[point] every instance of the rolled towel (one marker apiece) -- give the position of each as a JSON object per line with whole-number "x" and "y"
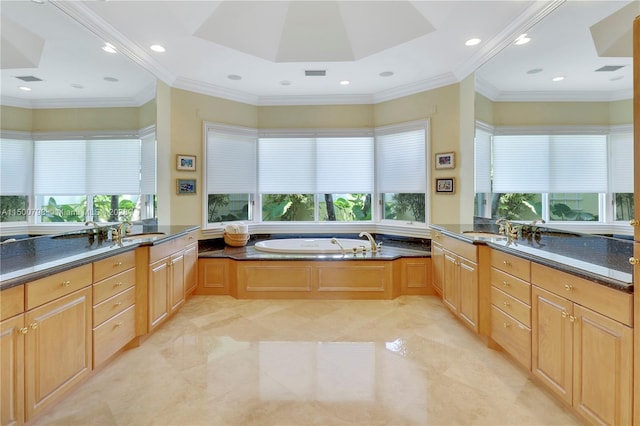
{"x": 242, "y": 228}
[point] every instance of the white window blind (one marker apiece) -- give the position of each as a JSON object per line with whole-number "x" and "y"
{"x": 621, "y": 162}
{"x": 521, "y": 163}
{"x": 578, "y": 163}
{"x": 482, "y": 161}
{"x": 16, "y": 166}
{"x": 287, "y": 165}
{"x": 345, "y": 165}
{"x": 113, "y": 166}
{"x": 60, "y": 167}
{"x": 401, "y": 162}
{"x": 231, "y": 163}
{"x": 148, "y": 165}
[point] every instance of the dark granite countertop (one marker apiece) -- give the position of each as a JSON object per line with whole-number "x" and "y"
{"x": 32, "y": 258}
{"x": 600, "y": 259}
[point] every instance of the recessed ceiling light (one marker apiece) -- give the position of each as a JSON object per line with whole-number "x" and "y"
{"x": 109, "y": 48}
{"x": 77, "y": 86}
{"x": 534, "y": 71}
{"x": 472, "y": 41}
{"x": 522, "y": 39}
{"x": 285, "y": 83}
{"x": 620, "y": 77}
{"x": 157, "y": 48}
{"x": 234, "y": 77}
{"x": 38, "y": 1}
{"x": 559, "y": 78}
{"x": 345, "y": 82}
{"x": 111, "y": 79}
{"x": 25, "y": 88}
{"x": 386, "y": 74}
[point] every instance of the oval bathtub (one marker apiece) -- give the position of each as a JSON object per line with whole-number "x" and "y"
{"x": 311, "y": 245}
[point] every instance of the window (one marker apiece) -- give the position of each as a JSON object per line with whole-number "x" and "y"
{"x": 15, "y": 179}
{"x": 621, "y": 177}
{"x": 402, "y": 174}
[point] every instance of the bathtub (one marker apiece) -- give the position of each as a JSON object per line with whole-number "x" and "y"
{"x": 312, "y": 245}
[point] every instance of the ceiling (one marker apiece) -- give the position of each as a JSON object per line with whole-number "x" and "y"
{"x": 258, "y": 51}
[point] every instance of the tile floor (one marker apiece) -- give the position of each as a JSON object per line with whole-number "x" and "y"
{"x": 222, "y": 361}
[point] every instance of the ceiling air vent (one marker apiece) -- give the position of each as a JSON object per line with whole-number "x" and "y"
{"x": 315, "y": 73}
{"x": 28, "y": 78}
{"x": 609, "y": 68}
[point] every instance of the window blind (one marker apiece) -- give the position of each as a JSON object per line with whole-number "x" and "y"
{"x": 113, "y": 166}
{"x": 521, "y": 163}
{"x": 345, "y": 165}
{"x": 16, "y": 166}
{"x": 231, "y": 163}
{"x": 621, "y": 162}
{"x": 60, "y": 167}
{"x": 287, "y": 165}
{"x": 482, "y": 161}
{"x": 401, "y": 162}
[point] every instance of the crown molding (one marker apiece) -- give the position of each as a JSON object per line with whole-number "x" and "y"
{"x": 315, "y": 100}
{"x": 413, "y": 88}
{"x": 213, "y": 90}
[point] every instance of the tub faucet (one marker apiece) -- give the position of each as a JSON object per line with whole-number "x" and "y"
{"x": 335, "y": 241}
{"x": 372, "y": 241}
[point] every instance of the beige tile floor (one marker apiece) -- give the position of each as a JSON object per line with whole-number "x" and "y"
{"x": 222, "y": 361}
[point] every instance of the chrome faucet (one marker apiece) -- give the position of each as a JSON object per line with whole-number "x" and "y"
{"x": 372, "y": 241}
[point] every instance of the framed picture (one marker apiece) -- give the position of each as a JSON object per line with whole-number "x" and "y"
{"x": 186, "y": 186}
{"x": 445, "y": 160}
{"x": 186, "y": 162}
{"x": 444, "y": 185}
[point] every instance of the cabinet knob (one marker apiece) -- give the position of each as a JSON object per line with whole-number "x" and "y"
{"x": 24, "y": 330}
{"x": 66, "y": 283}
{"x": 118, "y": 303}
{"x": 505, "y": 303}
{"x": 118, "y": 264}
{"x": 568, "y": 287}
{"x": 505, "y": 284}
{"x": 506, "y": 262}
{"x": 572, "y": 318}
{"x": 564, "y": 314}
{"x": 506, "y": 325}
{"x": 634, "y": 222}
{"x": 33, "y": 325}
{"x": 118, "y": 284}
{"x": 118, "y": 324}
{"x": 634, "y": 260}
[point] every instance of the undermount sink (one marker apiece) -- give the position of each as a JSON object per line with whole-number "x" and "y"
{"x": 484, "y": 235}
{"x": 132, "y": 237}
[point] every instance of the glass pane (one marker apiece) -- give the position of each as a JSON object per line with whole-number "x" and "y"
{"x": 573, "y": 207}
{"x": 516, "y": 206}
{"x": 624, "y": 206}
{"x": 287, "y": 207}
{"x": 345, "y": 207}
{"x": 228, "y": 207}
{"x": 63, "y": 208}
{"x": 116, "y": 208}
{"x": 404, "y": 206}
{"x": 13, "y": 208}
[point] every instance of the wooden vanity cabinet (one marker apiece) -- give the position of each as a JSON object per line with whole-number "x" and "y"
{"x": 12, "y": 336}
{"x": 581, "y": 348}
{"x": 437, "y": 261}
{"x": 191, "y": 265}
{"x": 460, "y": 280}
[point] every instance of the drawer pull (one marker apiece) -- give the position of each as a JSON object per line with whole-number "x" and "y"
{"x": 505, "y": 284}
{"x": 33, "y": 325}
{"x": 116, "y": 325}
{"x": 568, "y": 287}
{"x": 118, "y": 284}
{"x": 24, "y": 330}
{"x": 118, "y": 264}
{"x": 506, "y": 263}
{"x": 506, "y": 325}
{"x": 505, "y": 303}
{"x": 634, "y": 260}
{"x": 66, "y": 283}
{"x": 118, "y": 303}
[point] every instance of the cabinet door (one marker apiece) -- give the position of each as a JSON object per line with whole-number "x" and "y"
{"x": 158, "y": 292}
{"x": 552, "y": 342}
{"x": 602, "y": 368}
{"x": 468, "y": 277}
{"x": 450, "y": 290}
{"x": 190, "y": 268}
{"x": 176, "y": 282}
{"x": 58, "y": 349}
{"x": 437, "y": 259}
{"x": 12, "y": 370}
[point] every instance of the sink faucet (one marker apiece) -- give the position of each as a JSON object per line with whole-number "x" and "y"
{"x": 508, "y": 229}
{"x": 91, "y": 222}
{"x": 335, "y": 241}
{"x": 118, "y": 233}
{"x": 372, "y": 241}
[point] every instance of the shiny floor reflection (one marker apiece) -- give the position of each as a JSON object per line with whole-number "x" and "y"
{"x": 222, "y": 361}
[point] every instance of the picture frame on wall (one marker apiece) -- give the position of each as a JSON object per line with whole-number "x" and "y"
{"x": 445, "y": 185}
{"x": 445, "y": 160}
{"x": 186, "y": 162}
{"x": 185, "y": 186}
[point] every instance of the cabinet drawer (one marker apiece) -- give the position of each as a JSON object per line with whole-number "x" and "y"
{"x": 515, "y": 338}
{"x": 511, "y": 306}
{"x": 113, "y": 334}
{"x": 106, "y": 288}
{"x": 615, "y": 304}
{"x": 511, "y": 285}
{"x": 113, "y": 265}
{"x": 11, "y": 302}
{"x": 54, "y": 286}
{"x": 113, "y": 306}
{"x": 461, "y": 248}
{"x": 510, "y": 264}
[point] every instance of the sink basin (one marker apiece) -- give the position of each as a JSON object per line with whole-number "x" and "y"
{"x": 133, "y": 237}
{"x": 484, "y": 235}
